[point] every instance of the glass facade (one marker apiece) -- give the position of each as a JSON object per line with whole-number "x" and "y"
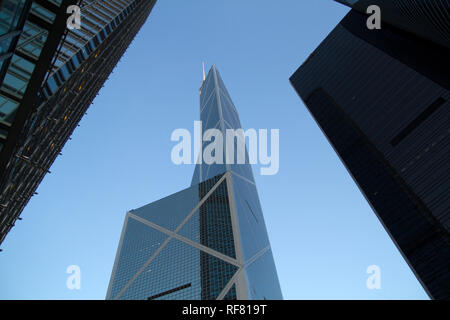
{"x": 218, "y": 246}
{"x": 383, "y": 104}
{"x": 25, "y": 29}
{"x": 49, "y": 77}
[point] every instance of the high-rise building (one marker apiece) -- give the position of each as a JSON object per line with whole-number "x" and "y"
{"x": 49, "y": 76}
{"x": 206, "y": 242}
{"x": 381, "y": 97}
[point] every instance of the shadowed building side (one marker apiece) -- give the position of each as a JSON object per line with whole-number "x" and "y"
{"x": 382, "y": 100}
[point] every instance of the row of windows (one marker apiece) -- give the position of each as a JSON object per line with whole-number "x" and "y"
{"x": 16, "y": 69}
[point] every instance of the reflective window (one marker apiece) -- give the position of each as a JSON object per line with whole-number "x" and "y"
{"x": 10, "y": 13}
{"x": 262, "y": 279}
{"x": 8, "y": 108}
{"x": 42, "y": 13}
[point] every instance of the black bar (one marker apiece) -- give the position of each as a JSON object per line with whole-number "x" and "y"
{"x": 417, "y": 121}
{"x": 169, "y": 291}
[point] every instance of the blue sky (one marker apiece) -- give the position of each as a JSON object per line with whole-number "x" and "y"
{"x": 323, "y": 233}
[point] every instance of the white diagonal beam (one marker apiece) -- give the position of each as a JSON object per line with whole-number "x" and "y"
{"x": 168, "y": 239}
{"x": 142, "y": 268}
{"x": 200, "y": 203}
{"x": 188, "y": 241}
{"x": 228, "y": 286}
{"x": 256, "y": 256}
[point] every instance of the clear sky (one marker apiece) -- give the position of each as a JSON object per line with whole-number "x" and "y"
{"x": 323, "y": 233}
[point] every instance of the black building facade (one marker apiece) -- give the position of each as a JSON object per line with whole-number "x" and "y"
{"x": 49, "y": 76}
{"x": 381, "y": 97}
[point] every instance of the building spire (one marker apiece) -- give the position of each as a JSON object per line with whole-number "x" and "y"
{"x": 204, "y": 78}
{"x": 203, "y": 71}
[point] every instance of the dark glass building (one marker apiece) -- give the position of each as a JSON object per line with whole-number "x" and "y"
{"x": 382, "y": 99}
{"x": 49, "y": 75}
{"x": 206, "y": 242}
{"x": 427, "y": 19}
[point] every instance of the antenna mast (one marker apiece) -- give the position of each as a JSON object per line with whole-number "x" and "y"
{"x": 203, "y": 71}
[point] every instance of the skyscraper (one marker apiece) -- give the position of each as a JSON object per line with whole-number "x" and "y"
{"x": 49, "y": 76}
{"x": 381, "y": 97}
{"x": 208, "y": 241}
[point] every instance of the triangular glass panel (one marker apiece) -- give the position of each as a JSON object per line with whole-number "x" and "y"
{"x": 252, "y": 229}
{"x": 170, "y": 211}
{"x": 139, "y": 243}
{"x": 262, "y": 279}
{"x": 174, "y": 273}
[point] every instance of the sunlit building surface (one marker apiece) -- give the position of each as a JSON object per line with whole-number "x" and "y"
{"x": 203, "y": 243}
{"x": 381, "y": 97}
{"x": 49, "y": 75}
